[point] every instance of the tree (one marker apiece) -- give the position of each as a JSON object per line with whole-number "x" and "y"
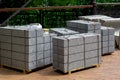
{"x": 9, "y": 4}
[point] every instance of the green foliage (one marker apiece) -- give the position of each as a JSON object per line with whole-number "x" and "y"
{"x": 61, "y": 2}
{"x": 36, "y": 3}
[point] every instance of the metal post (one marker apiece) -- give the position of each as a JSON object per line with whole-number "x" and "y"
{"x": 94, "y": 11}
{"x": 42, "y": 18}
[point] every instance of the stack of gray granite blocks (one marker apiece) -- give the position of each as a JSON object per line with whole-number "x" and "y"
{"x": 25, "y": 48}
{"x": 107, "y": 34}
{"x": 108, "y": 40}
{"x": 76, "y": 51}
{"x": 83, "y": 26}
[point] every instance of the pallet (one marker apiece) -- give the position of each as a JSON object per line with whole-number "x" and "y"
{"x": 46, "y": 30}
{"x": 110, "y": 53}
{"x": 23, "y": 70}
{"x": 16, "y": 69}
{"x": 78, "y": 69}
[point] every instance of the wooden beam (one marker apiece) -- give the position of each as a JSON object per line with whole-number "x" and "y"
{"x": 68, "y": 7}
{"x": 45, "y": 8}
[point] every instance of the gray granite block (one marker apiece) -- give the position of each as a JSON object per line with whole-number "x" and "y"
{"x": 55, "y": 41}
{"x": 91, "y": 54}
{"x": 91, "y": 62}
{"x": 70, "y": 50}
{"x": 47, "y": 46}
{"x": 6, "y": 53}
{"x": 40, "y": 40}
{"x": 90, "y": 38}
{"x": 40, "y": 63}
{"x": 55, "y": 58}
{"x": 47, "y": 53}
{"x": 31, "y": 65}
{"x": 104, "y": 31}
{"x": 65, "y": 41}
{"x": 52, "y": 35}
{"x": 98, "y": 31}
{"x": 40, "y": 32}
{"x": 6, "y": 46}
{"x": 79, "y": 64}
{"x": 71, "y": 23}
{"x": 40, "y": 47}
{"x": 92, "y": 46}
{"x": 105, "y": 50}
{"x": 40, "y": 55}
{"x": 111, "y": 43}
{"x": 18, "y": 64}
{"x": 62, "y": 42}
{"x": 23, "y": 33}
{"x": 85, "y": 26}
{"x": 7, "y": 39}
{"x": 75, "y": 40}
{"x": 24, "y": 41}
{"x": 62, "y": 31}
{"x": 76, "y": 49}
{"x": 70, "y": 58}
{"x": 24, "y": 57}
{"x": 104, "y": 38}
{"x": 23, "y": 48}
{"x": 111, "y": 49}
{"x": 105, "y": 44}
{"x": 111, "y": 31}
{"x": 46, "y": 38}
{"x": 55, "y": 49}
{"x": 111, "y": 37}
{"x": 6, "y": 61}
{"x": 47, "y": 61}
{"x": 23, "y": 65}
{"x": 71, "y": 66}
{"x": 5, "y": 31}
{"x": 107, "y": 30}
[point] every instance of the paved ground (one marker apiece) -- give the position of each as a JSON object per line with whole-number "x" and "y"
{"x": 109, "y": 70}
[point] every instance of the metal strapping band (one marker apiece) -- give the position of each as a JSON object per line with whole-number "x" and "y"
{"x": 36, "y": 47}
{"x": 11, "y": 47}
{"x": 98, "y": 48}
{"x": 108, "y": 39}
{"x": 43, "y": 50}
{"x": 84, "y": 51}
{"x": 68, "y": 63}
{"x": 119, "y": 40}
{"x": 25, "y": 50}
{"x": 50, "y": 48}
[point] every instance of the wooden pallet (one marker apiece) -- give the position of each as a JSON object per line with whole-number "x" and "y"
{"x": 82, "y": 68}
{"x": 110, "y": 53}
{"x": 46, "y": 30}
{"x": 23, "y": 70}
{"x": 17, "y": 69}
{"x": 69, "y": 72}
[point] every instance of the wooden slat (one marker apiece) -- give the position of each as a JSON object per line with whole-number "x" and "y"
{"x": 45, "y": 8}
{"x": 108, "y": 3}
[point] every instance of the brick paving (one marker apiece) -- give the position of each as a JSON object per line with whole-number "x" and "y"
{"x": 109, "y": 70}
